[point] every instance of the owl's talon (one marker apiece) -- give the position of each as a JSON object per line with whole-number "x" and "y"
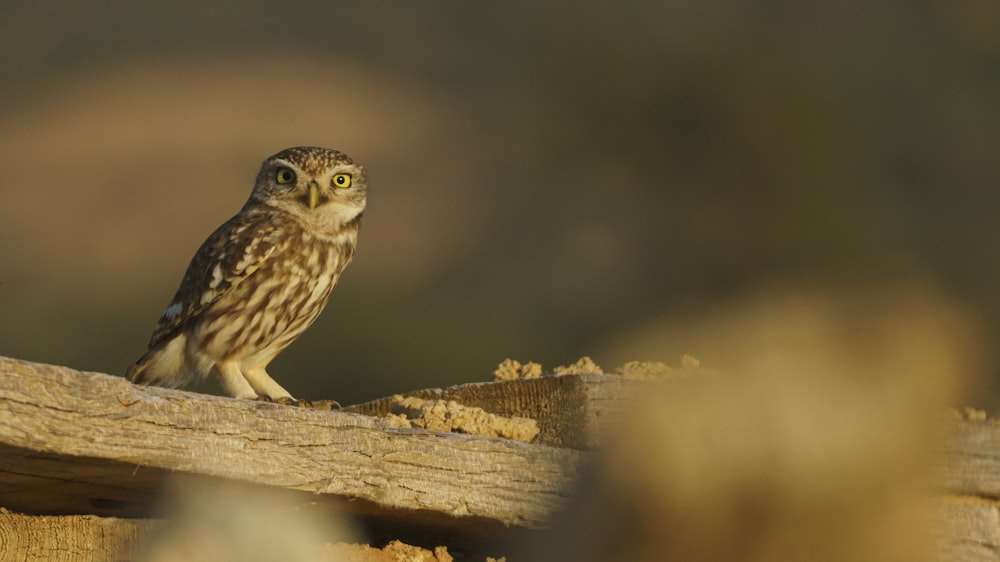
{"x": 328, "y": 405}
{"x": 311, "y": 404}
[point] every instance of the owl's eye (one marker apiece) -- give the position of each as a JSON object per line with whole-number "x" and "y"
{"x": 341, "y": 180}
{"x": 284, "y": 175}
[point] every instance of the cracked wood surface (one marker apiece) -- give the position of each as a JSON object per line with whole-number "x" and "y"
{"x": 76, "y": 442}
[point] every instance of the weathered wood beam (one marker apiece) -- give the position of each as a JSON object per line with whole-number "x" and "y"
{"x": 83, "y": 442}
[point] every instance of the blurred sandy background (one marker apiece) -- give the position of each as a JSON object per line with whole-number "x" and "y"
{"x": 548, "y": 181}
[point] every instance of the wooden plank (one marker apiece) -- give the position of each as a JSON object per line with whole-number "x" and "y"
{"x": 78, "y": 537}
{"x": 968, "y": 529}
{"x": 80, "y": 442}
{"x": 572, "y": 411}
{"x": 970, "y": 464}
{"x": 90, "y": 538}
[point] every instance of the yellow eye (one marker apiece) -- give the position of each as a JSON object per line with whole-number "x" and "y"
{"x": 342, "y": 180}
{"x": 284, "y": 175}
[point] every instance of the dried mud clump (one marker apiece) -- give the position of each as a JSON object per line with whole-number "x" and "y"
{"x": 969, "y": 414}
{"x": 395, "y": 551}
{"x": 584, "y": 366}
{"x": 450, "y": 416}
{"x": 654, "y": 370}
{"x": 644, "y": 370}
{"x": 509, "y": 370}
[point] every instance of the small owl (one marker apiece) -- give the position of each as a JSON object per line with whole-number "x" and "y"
{"x": 262, "y": 277}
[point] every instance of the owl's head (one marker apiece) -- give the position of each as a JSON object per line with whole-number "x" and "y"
{"x": 319, "y": 185}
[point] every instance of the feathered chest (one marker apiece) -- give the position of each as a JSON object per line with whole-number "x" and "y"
{"x": 271, "y": 305}
{"x": 267, "y": 271}
{"x": 300, "y": 268}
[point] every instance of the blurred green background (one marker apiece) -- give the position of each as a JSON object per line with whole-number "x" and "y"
{"x": 548, "y": 180}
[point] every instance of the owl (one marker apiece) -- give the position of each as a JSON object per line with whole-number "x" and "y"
{"x": 261, "y": 279}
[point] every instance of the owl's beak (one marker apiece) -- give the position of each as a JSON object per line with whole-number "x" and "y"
{"x": 313, "y": 195}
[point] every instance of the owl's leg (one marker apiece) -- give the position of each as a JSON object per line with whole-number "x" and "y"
{"x": 264, "y": 385}
{"x": 233, "y": 381}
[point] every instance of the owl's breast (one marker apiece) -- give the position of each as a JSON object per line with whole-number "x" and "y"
{"x": 270, "y": 308}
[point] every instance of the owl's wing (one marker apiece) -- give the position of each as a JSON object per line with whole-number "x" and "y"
{"x": 231, "y": 254}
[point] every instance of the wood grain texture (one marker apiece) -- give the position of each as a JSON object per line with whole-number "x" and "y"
{"x": 81, "y": 442}
{"x": 77, "y": 538}
{"x": 90, "y": 538}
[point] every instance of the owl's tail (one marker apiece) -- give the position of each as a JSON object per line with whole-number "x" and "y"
{"x": 162, "y": 365}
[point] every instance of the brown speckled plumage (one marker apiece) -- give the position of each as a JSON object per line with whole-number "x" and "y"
{"x": 262, "y": 277}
